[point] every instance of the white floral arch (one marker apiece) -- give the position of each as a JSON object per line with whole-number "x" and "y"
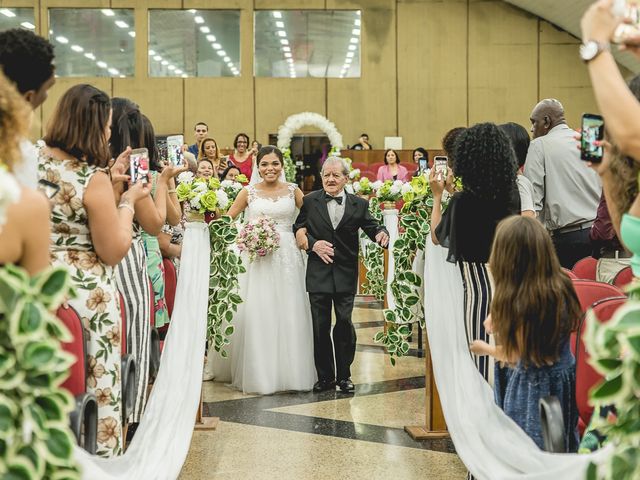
{"x": 297, "y": 121}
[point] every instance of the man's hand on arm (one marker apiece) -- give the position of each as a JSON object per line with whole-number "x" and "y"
{"x": 301, "y": 239}
{"x": 324, "y": 250}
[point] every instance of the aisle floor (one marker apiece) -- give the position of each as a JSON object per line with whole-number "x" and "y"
{"x": 329, "y": 435}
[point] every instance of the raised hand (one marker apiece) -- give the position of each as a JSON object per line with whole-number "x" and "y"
{"x": 120, "y": 167}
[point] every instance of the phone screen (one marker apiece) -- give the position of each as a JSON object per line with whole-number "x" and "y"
{"x": 139, "y": 165}
{"x": 174, "y": 149}
{"x": 422, "y": 164}
{"x": 50, "y": 189}
{"x": 440, "y": 164}
{"x": 592, "y": 131}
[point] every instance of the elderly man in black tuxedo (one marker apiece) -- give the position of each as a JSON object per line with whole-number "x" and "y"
{"x": 327, "y": 228}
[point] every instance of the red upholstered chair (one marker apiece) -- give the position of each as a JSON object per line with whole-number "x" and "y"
{"x": 170, "y": 282}
{"x": 585, "y": 269}
{"x": 128, "y": 369}
{"x": 84, "y": 419}
{"x": 589, "y": 292}
{"x": 375, "y": 166}
{"x": 570, "y": 274}
{"x": 362, "y": 166}
{"x": 411, "y": 168}
{"x": 586, "y": 376}
{"x": 623, "y": 278}
{"x": 369, "y": 174}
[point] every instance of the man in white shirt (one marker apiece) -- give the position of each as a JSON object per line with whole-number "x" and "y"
{"x": 27, "y": 60}
{"x": 566, "y": 192}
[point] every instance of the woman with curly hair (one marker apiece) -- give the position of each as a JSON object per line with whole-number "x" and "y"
{"x": 484, "y": 160}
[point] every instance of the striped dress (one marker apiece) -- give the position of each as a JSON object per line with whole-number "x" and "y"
{"x": 133, "y": 284}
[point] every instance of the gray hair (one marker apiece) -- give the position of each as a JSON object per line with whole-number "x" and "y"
{"x": 334, "y": 160}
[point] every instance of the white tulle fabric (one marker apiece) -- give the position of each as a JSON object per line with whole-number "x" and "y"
{"x": 272, "y": 347}
{"x": 489, "y": 443}
{"x": 161, "y": 443}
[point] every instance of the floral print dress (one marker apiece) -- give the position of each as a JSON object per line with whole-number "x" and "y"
{"x": 96, "y": 300}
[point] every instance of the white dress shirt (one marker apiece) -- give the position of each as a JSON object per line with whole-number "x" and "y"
{"x": 336, "y": 211}
{"x": 565, "y": 191}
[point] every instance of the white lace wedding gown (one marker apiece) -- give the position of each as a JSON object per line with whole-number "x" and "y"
{"x": 272, "y": 347}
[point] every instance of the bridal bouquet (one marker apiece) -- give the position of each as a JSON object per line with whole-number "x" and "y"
{"x": 259, "y": 238}
{"x": 202, "y": 195}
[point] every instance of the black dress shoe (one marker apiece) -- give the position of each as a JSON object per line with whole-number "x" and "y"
{"x": 322, "y": 385}
{"x": 346, "y": 385}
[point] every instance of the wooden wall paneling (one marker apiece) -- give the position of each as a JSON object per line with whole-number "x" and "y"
{"x": 432, "y": 63}
{"x": 563, "y": 75}
{"x": 288, "y": 4}
{"x": 144, "y": 4}
{"x": 278, "y": 98}
{"x": 219, "y": 4}
{"x": 76, "y": 3}
{"x": 503, "y": 58}
{"x": 368, "y": 104}
{"x": 19, "y": 4}
{"x": 160, "y": 99}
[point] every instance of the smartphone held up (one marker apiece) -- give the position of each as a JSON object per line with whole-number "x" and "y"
{"x": 592, "y": 135}
{"x": 440, "y": 164}
{"x": 139, "y": 165}
{"x": 174, "y": 149}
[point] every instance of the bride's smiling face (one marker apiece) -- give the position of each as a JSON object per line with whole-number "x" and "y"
{"x": 270, "y": 167}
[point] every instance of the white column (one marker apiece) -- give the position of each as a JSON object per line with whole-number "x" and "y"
{"x": 390, "y": 218}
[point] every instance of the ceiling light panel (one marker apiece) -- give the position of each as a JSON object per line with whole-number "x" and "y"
{"x": 197, "y": 44}
{"x": 319, "y": 38}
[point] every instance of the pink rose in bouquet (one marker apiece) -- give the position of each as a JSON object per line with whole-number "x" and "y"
{"x": 258, "y": 238}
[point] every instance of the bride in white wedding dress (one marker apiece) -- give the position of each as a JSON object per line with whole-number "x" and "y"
{"x": 272, "y": 347}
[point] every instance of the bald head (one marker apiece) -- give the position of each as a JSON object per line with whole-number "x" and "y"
{"x": 546, "y": 115}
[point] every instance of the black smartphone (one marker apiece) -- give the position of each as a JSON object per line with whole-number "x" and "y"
{"x": 50, "y": 189}
{"x": 592, "y": 132}
{"x": 422, "y": 164}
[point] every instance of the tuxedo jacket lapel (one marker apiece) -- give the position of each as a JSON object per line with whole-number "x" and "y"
{"x": 321, "y": 206}
{"x": 349, "y": 209}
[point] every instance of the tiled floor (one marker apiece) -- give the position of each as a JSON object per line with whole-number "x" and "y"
{"x": 328, "y": 435}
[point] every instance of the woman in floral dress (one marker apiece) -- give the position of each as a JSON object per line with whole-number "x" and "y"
{"x": 89, "y": 236}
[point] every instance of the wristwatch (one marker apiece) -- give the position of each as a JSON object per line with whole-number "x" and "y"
{"x": 591, "y": 49}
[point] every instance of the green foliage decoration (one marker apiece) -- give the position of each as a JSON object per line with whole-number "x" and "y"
{"x": 373, "y": 259}
{"x": 289, "y": 166}
{"x": 224, "y": 299}
{"x": 35, "y": 439}
{"x": 614, "y": 349}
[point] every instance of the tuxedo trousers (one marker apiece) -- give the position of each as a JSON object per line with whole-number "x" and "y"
{"x": 344, "y": 335}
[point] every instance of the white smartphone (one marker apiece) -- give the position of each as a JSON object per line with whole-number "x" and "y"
{"x": 440, "y": 163}
{"x": 174, "y": 149}
{"x": 139, "y": 165}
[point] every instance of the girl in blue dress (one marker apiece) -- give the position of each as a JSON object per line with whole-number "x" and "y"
{"x": 533, "y": 312}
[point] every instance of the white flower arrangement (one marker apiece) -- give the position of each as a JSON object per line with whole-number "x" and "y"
{"x": 376, "y": 185}
{"x": 351, "y": 188}
{"x": 185, "y": 177}
{"x": 354, "y": 174}
{"x": 9, "y": 193}
{"x": 297, "y": 121}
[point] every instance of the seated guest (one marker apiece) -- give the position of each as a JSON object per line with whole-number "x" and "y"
{"x": 24, "y": 224}
{"x": 533, "y": 312}
{"x": 392, "y": 170}
{"x": 209, "y": 151}
{"x": 519, "y": 138}
{"x": 485, "y": 163}
{"x": 363, "y": 143}
{"x": 90, "y": 236}
{"x": 230, "y": 173}
{"x": 418, "y": 154}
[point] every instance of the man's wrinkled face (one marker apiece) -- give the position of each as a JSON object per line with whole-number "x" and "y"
{"x": 333, "y": 178}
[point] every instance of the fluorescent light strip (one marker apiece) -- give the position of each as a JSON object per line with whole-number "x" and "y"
{"x": 211, "y": 38}
{"x": 63, "y": 40}
{"x": 121, "y": 24}
{"x": 284, "y": 41}
{"x": 352, "y": 47}
{"x": 107, "y": 12}
{"x": 280, "y": 24}
{"x": 282, "y": 33}
{"x": 7, "y": 13}
{"x": 216, "y": 46}
{"x": 350, "y": 54}
{"x": 276, "y": 14}
{"x": 205, "y": 29}
{"x": 221, "y": 53}
{"x": 90, "y": 56}
{"x": 157, "y": 58}
{"x": 113, "y": 71}
{"x": 198, "y": 19}
{"x": 226, "y": 59}
{"x": 355, "y": 31}
{"x": 77, "y": 48}
{"x": 101, "y": 64}
{"x": 28, "y": 25}
{"x": 357, "y": 22}
{"x": 164, "y": 62}
{"x": 132, "y": 34}
{"x": 152, "y": 52}
{"x": 286, "y": 49}
{"x": 354, "y": 40}
{"x": 287, "y": 54}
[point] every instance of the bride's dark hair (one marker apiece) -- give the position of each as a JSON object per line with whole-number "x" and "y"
{"x": 268, "y": 149}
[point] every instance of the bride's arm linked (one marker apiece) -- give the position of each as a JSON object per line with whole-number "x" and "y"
{"x": 304, "y": 239}
{"x": 239, "y": 204}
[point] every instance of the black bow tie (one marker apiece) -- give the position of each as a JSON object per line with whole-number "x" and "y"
{"x": 328, "y": 198}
